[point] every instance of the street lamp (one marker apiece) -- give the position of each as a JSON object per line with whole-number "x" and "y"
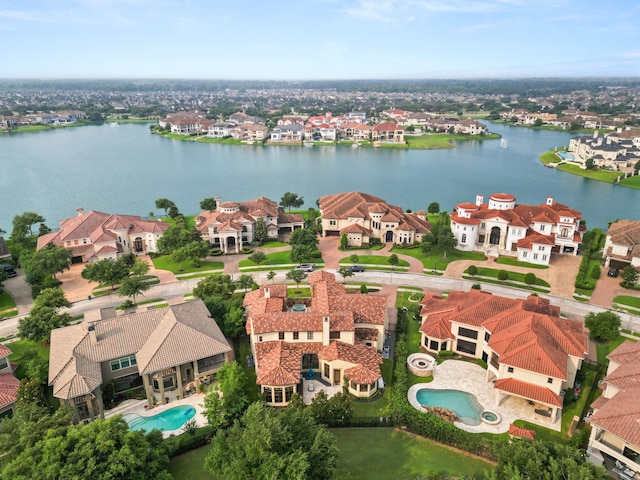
{"x": 435, "y": 267}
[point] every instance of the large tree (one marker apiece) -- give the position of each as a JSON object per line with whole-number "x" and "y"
{"x": 290, "y": 200}
{"x": 107, "y": 271}
{"x": 132, "y": 287}
{"x": 434, "y": 207}
{"x": 208, "y": 203}
{"x": 44, "y": 315}
{"x": 228, "y": 400}
{"x": 216, "y": 284}
{"x": 193, "y": 251}
{"x": 164, "y": 204}
{"x": 258, "y": 257}
{"x": 296, "y": 276}
{"x": 603, "y": 326}
{"x": 173, "y": 238}
{"x": 22, "y": 225}
{"x": 266, "y": 443}
{"x": 524, "y": 460}
{"x": 260, "y": 234}
{"x": 100, "y": 449}
{"x": 629, "y": 275}
{"x": 446, "y": 240}
{"x": 49, "y": 260}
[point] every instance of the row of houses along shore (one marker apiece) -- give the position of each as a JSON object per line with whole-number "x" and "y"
{"x": 354, "y": 126}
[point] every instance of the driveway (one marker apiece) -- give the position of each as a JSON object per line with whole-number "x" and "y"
{"x": 607, "y": 289}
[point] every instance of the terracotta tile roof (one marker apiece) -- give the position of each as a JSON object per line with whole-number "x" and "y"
{"x": 355, "y": 228}
{"x": 521, "y": 432}
{"x": 8, "y": 389}
{"x": 279, "y": 363}
{"x": 360, "y": 355}
{"x": 386, "y": 126}
{"x": 4, "y": 351}
{"x": 621, "y": 416}
{"x": 159, "y": 339}
{"x": 527, "y": 334}
{"x": 599, "y": 402}
{"x": 528, "y": 390}
{"x": 366, "y": 334}
{"x": 625, "y": 376}
{"x": 627, "y": 352}
{"x": 535, "y": 238}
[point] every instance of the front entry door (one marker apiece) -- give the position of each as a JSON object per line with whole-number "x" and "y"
{"x": 336, "y": 377}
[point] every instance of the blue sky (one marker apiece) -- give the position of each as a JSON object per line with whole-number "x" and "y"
{"x": 319, "y": 39}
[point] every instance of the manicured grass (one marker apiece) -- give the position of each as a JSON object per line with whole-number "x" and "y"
{"x": 302, "y": 292}
{"x": 275, "y": 258}
{"x": 442, "y": 140}
{"x": 600, "y": 175}
{"x": 166, "y": 263}
{"x": 244, "y": 349}
{"x": 22, "y": 347}
{"x": 6, "y": 301}
{"x": 436, "y": 257}
{"x": 513, "y": 276}
{"x": 146, "y": 302}
{"x": 274, "y": 244}
{"x": 224, "y": 141}
{"x": 631, "y": 182}
{"x": 549, "y": 157}
{"x": 517, "y": 263}
{"x": 190, "y": 465}
{"x": 374, "y": 260}
{"x": 384, "y": 453}
{"x": 189, "y": 221}
{"x": 633, "y": 302}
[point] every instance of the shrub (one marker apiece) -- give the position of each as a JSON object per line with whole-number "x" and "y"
{"x": 503, "y": 275}
{"x": 363, "y": 288}
{"x": 476, "y": 286}
{"x": 472, "y": 270}
{"x": 595, "y": 272}
{"x": 530, "y": 278}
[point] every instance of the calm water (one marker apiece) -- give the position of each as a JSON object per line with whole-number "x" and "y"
{"x": 171, "y": 419}
{"x": 463, "y": 404}
{"x": 123, "y": 170}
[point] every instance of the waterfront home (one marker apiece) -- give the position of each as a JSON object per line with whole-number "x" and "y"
{"x": 8, "y": 383}
{"x": 250, "y": 132}
{"x": 241, "y": 118}
{"x": 292, "y": 132}
{"x": 470, "y": 127}
{"x": 363, "y": 217}
{"x": 232, "y": 225}
{"x": 95, "y": 235}
{"x": 613, "y": 150}
{"x": 615, "y": 422}
{"x": 333, "y": 335}
{"x": 168, "y": 351}
{"x": 357, "y": 132}
{"x": 220, "y": 129}
{"x": 388, "y": 132}
{"x": 622, "y": 245}
{"x": 532, "y": 354}
{"x": 502, "y": 227}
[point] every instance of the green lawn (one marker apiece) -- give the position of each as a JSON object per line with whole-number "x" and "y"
{"x": 384, "y": 453}
{"x": 244, "y": 349}
{"x": 371, "y": 453}
{"x": 436, "y": 257}
{"x": 633, "y": 302}
{"x": 22, "y": 347}
{"x": 165, "y": 263}
{"x": 379, "y": 406}
{"x": 441, "y": 140}
{"x": 513, "y": 276}
{"x": 631, "y": 182}
{"x": 189, "y": 221}
{"x": 277, "y": 258}
{"x": 600, "y": 175}
{"x": 517, "y": 263}
{"x": 274, "y": 244}
{"x": 6, "y": 301}
{"x": 604, "y": 349}
{"x": 374, "y": 260}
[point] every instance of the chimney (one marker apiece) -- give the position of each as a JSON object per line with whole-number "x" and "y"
{"x": 479, "y": 199}
{"x": 93, "y": 338}
{"x": 549, "y": 200}
{"x": 218, "y": 200}
{"x": 325, "y": 331}
{"x": 267, "y": 292}
{"x": 79, "y": 211}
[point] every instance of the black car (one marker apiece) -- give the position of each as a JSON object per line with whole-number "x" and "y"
{"x": 356, "y": 268}
{"x": 8, "y": 269}
{"x": 613, "y": 272}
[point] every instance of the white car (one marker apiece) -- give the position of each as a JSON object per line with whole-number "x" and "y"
{"x": 305, "y": 267}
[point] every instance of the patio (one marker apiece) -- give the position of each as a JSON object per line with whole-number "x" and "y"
{"x": 312, "y": 387}
{"x": 469, "y": 377}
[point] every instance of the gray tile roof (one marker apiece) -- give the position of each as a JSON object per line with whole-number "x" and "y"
{"x": 159, "y": 339}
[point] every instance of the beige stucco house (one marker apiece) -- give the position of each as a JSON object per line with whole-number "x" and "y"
{"x": 95, "y": 235}
{"x": 171, "y": 349}
{"x": 233, "y": 224}
{"x": 531, "y": 353}
{"x": 8, "y": 383}
{"x": 622, "y": 244}
{"x": 615, "y": 423}
{"x": 362, "y": 217}
{"x": 334, "y": 334}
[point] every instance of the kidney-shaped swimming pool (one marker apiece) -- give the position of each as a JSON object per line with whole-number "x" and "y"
{"x": 171, "y": 419}
{"x": 463, "y": 404}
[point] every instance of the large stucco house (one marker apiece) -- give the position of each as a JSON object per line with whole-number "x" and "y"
{"x": 95, "y": 235}
{"x": 8, "y": 383}
{"x": 615, "y": 423}
{"x": 622, "y": 244}
{"x": 169, "y": 351}
{"x": 363, "y": 217}
{"x": 233, "y": 224}
{"x": 531, "y": 353}
{"x": 334, "y": 334}
{"x": 503, "y": 227}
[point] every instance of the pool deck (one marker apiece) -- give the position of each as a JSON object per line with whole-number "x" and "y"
{"x": 469, "y": 377}
{"x": 137, "y": 407}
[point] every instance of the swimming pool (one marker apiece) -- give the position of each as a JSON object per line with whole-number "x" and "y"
{"x": 171, "y": 419}
{"x": 463, "y": 404}
{"x": 565, "y": 155}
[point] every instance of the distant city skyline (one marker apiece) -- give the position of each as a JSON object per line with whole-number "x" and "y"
{"x": 319, "y": 39}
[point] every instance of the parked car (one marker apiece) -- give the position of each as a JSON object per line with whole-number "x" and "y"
{"x": 613, "y": 272}
{"x": 8, "y": 269}
{"x": 385, "y": 351}
{"x": 356, "y": 268}
{"x": 305, "y": 267}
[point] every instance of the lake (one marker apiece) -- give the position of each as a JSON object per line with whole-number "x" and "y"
{"x": 124, "y": 169}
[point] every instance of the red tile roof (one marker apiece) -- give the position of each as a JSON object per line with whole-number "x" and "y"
{"x": 8, "y": 389}
{"x": 521, "y": 432}
{"x": 621, "y": 416}
{"x": 528, "y": 390}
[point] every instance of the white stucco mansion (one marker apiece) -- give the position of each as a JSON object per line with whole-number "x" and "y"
{"x": 502, "y": 227}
